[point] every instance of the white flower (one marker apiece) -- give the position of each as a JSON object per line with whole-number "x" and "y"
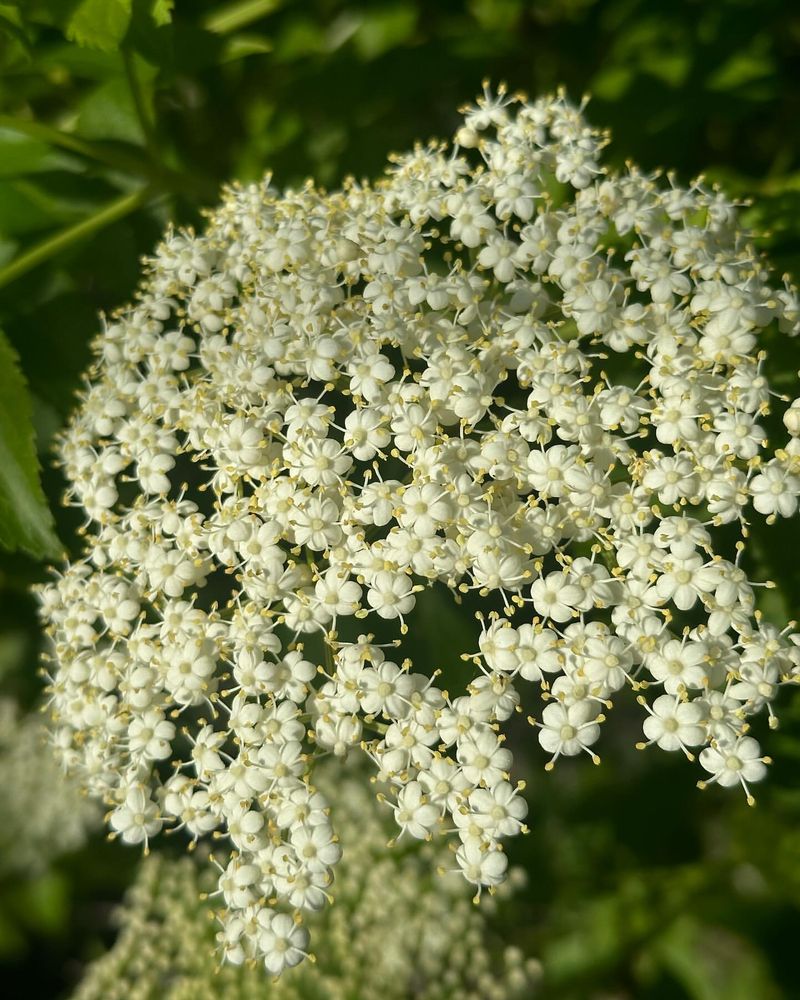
{"x": 445, "y": 783}
{"x": 674, "y": 725}
{"x": 282, "y": 941}
{"x": 499, "y": 646}
{"x": 775, "y": 490}
{"x": 44, "y": 811}
{"x": 568, "y": 729}
{"x": 482, "y": 759}
{"x": 502, "y": 806}
{"x": 391, "y": 594}
{"x": 679, "y": 665}
{"x": 414, "y": 813}
{"x": 316, "y": 847}
{"x": 499, "y": 254}
{"x": 136, "y": 820}
{"x": 480, "y": 865}
{"x": 685, "y": 579}
{"x": 555, "y": 597}
{"x": 471, "y": 223}
{"x": 150, "y": 734}
{"x": 738, "y": 763}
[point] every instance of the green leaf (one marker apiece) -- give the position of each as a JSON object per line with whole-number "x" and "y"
{"x": 8, "y": 248}
{"x": 241, "y": 46}
{"x": 496, "y": 15}
{"x": 238, "y": 14}
{"x": 25, "y": 519}
{"x": 52, "y": 340}
{"x": 742, "y": 68}
{"x": 712, "y": 962}
{"x": 99, "y": 24}
{"x": 612, "y": 83}
{"x": 671, "y": 67}
{"x": 64, "y": 60}
{"x": 109, "y": 112}
{"x": 384, "y": 28}
{"x": 161, "y": 11}
{"x": 41, "y": 904}
{"x": 13, "y": 25}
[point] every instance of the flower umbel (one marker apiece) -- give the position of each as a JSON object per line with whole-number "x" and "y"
{"x": 329, "y": 402}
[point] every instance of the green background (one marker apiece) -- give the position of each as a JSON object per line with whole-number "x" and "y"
{"x": 118, "y": 116}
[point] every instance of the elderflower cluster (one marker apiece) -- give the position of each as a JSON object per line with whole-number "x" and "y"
{"x": 396, "y": 930}
{"x": 45, "y": 814}
{"x": 502, "y": 371}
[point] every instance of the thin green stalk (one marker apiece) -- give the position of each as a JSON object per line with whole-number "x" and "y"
{"x": 63, "y": 140}
{"x": 238, "y": 15}
{"x": 155, "y": 173}
{"x": 72, "y": 234}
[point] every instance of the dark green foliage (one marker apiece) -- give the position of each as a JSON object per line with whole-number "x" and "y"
{"x": 25, "y": 520}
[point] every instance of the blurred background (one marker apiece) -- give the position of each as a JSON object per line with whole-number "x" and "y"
{"x": 119, "y": 116}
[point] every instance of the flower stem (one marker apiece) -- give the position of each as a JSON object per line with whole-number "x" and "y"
{"x": 72, "y": 234}
{"x": 157, "y": 174}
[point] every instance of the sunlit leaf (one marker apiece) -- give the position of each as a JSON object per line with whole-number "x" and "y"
{"x": 13, "y": 24}
{"x": 383, "y": 28}
{"x": 496, "y": 15}
{"x": 161, "y": 11}
{"x": 612, "y": 82}
{"x": 241, "y": 46}
{"x": 741, "y": 68}
{"x": 99, "y": 24}
{"x": 232, "y": 16}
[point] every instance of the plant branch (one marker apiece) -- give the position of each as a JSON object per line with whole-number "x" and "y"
{"x": 73, "y": 234}
{"x": 155, "y": 173}
{"x": 63, "y": 140}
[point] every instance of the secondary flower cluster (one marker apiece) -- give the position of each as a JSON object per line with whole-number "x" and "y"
{"x": 44, "y": 814}
{"x": 396, "y": 930}
{"x": 329, "y": 402}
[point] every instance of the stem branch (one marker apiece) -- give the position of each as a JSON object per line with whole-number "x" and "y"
{"x": 72, "y": 234}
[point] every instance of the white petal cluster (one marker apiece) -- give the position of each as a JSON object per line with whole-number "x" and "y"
{"x": 45, "y": 813}
{"x": 329, "y": 402}
{"x": 393, "y": 933}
